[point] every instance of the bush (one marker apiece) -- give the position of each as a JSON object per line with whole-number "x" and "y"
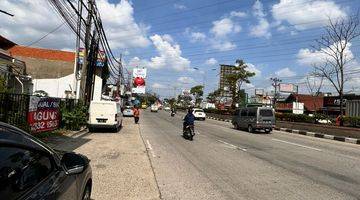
{"x": 74, "y": 119}
{"x": 294, "y": 117}
{"x": 351, "y": 121}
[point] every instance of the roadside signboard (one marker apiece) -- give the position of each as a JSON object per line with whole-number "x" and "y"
{"x": 139, "y": 76}
{"x": 259, "y": 92}
{"x": 139, "y": 72}
{"x": 100, "y": 62}
{"x": 44, "y": 114}
{"x": 288, "y": 88}
{"x": 298, "y": 108}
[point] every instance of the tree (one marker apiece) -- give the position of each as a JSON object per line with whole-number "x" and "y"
{"x": 212, "y": 96}
{"x": 3, "y": 87}
{"x": 335, "y": 46}
{"x": 198, "y": 92}
{"x": 314, "y": 84}
{"x": 235, "y": 80}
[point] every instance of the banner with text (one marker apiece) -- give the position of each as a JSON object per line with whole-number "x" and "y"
{"x": 44, "y": 114}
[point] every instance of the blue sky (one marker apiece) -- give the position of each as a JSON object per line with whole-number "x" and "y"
{"x": 171, "y": 37}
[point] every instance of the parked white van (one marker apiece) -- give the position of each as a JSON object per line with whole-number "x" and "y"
{"x": 104, "y": 114}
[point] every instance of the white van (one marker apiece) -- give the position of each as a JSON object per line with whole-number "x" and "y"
{"x": 104, "y": 114}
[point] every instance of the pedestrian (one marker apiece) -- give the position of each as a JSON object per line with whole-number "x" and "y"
{"x": 136, "y": 112}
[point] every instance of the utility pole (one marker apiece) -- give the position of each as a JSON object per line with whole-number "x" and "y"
{"x": 84, "y": 69}
{"x": 275, "y": 84}
{"x": 119, "y": 76}
{"x": 77, "y": 64}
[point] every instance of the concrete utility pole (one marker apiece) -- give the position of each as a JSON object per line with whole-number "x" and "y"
{"x": 84, "y": 69}
{"x": 119, "y": 75}
{"x": 275, "y": 84}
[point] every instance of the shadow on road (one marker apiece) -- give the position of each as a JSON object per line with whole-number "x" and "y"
{"x": 67, "y": 143}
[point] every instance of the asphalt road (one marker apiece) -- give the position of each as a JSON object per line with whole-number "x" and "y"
{"x": 223, "y": 163}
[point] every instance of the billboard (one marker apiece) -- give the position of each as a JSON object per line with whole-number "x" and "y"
{"x": 44, "y": 114}
{"x": 259, "y": 92}
{"x": 100, "y": 61}
{"x": 298, "y": 108}
{"x": 139, "y": 72}
{"x": 288, "y": 88}
{"x": 139, "y": 83}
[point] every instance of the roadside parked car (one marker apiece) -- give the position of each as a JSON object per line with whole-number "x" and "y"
{"x": 29, "y": 169}
{"x": 199, "y": 114}
{"x": 254, "y": 118}
{"x": 128, "y": 111}
{"x": 104, "y": 114}
{"x": 154, "y": 108}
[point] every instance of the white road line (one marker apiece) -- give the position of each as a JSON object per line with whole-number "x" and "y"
{"x": 150, "y": 149}
{"x": 299, "y": 145}
{"x": 232, "y": 146}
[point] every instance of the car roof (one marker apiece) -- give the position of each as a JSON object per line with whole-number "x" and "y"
{"x": 13, "y": 135}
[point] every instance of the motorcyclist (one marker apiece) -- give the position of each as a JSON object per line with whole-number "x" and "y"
{"x": 188, "y": 119}
{"x": 173, "y": 111}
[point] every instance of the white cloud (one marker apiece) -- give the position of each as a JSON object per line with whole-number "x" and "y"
{"x": 195, "y": 36}
{"x": 223, "y": 27}
{"x": 179, "y": 6}
{"x": 306, "y": 14}
{"x": 222, "y": 45}
{"x": 262, "y": 29}
{"x": 120, "y": 26}
{"x": 158, "y": 86}
{"x": 28, "y": 24}
{"x": 285, "y": 72}
{"x": 211, "y": 62}
{"x": 169, "y": 55}
{"x": 186, "y": 80}
{"x": 237, "y": 14}
{"x": 253, "y": 68}
{"x": 34, "y": 19}
{"x": 309, "y": 57}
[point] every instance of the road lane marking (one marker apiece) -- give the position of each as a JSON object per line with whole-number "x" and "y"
{"x": 150, "y": 149}
{"x": 299, "y": 145}
{"x": 232, "y": 146}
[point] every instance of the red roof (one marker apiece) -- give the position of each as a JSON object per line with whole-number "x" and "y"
{"x": 47, "y": 54}
{"x": 311, "y": 103}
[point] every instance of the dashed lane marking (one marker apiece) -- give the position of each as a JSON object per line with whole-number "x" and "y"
{"x": 232, "y": 146}
{"x": 295, "y": 144}
{"x": 150, "y": 149}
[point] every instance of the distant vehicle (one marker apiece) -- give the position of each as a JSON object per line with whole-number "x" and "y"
{"x": 143, "y": 106}
{"x": 128, "y": 111}
{"x": 254, "y": 118}
{"x": 154, "y": 108}
{"x": 29, "y": 169}
{"x": 104, "y": 114}
{"x": 167, "y": 108}
{"x": 199, "y": 114}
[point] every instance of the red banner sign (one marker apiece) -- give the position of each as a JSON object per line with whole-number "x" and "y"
{"x": 44, "y": 114}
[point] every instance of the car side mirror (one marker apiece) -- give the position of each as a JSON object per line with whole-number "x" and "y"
{"x": 74, "y": 163}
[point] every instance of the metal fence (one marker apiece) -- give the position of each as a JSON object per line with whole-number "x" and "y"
{"x": 14, "y": 108}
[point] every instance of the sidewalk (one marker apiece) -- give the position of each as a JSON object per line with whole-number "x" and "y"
{"x": 120, "y": 164}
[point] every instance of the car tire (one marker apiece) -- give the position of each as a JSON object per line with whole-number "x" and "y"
{"x": 250, "y": 129}
{"x": 87, "y": 193}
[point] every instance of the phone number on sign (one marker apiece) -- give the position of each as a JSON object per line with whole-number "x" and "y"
{"x": 45, "y": 125}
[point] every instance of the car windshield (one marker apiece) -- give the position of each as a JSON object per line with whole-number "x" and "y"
{"x": 266, "y": 113}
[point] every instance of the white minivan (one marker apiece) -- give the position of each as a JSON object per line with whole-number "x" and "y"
{"x": 104, "y": 114}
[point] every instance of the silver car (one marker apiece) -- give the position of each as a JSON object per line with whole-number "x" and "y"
{"x": 128, "y": 111}
{"x": 254, "y": 118}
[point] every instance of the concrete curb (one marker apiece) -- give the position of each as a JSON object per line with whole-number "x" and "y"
{"x": 308, "y": 133}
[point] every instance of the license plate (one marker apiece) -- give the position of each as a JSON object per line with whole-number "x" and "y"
{"x": 101, "y": 120}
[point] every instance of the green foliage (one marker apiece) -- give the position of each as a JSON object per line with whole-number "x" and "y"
{"x": 197, "y": 91}
{"x": 212, "y": 96}
{"x": 3, "y": 87}
{"x": 74, "y": 119}
{"x": 294, "y": 117}
{"x": 351, "y": 121}
{"x": 235, "y": 80}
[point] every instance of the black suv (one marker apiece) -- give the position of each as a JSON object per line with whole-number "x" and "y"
{"x": 29, "y": 169}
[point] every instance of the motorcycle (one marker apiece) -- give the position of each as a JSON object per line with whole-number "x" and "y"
{"x": 189, "y": 132}
{"x": 172, "y": 114}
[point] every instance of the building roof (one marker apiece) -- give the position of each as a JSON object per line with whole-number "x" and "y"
{"x": 311, "y": 103}
{"x": 5, "y": 43}
{"x": 40, "y": 53}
